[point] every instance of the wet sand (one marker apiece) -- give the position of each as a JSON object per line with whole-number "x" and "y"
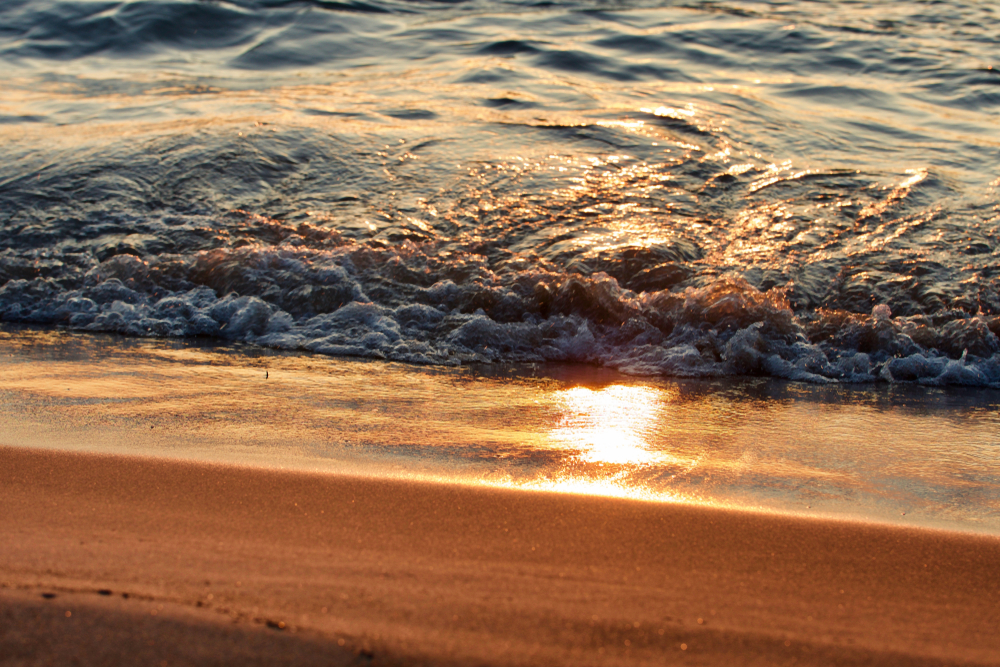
{"x": 225, "y": 564}
{"x": 912, "y": 455}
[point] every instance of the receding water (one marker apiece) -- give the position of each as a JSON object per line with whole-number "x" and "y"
{"x": 804, "y": 190}
{"x": 906, "y": 455}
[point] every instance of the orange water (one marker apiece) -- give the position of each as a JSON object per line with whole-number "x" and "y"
{"x": 927, "y": 456}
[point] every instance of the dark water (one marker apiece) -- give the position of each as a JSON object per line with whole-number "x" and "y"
{"x": 807, "y": 190}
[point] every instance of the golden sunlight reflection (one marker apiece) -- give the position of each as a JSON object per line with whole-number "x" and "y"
{"x": 610, "y": 425}
{"x": 612, "y": 486}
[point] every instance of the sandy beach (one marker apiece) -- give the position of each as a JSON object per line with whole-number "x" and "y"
{"x": 117, "y": 560}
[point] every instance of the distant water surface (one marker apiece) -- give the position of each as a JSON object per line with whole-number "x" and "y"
{"x": 805, "y": 190}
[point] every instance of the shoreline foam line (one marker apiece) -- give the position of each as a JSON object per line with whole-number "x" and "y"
{"x": 913, "y": 456}
{"x": 444, "y": 574}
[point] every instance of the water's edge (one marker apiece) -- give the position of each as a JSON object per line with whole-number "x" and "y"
{"x": 911, "y": 456}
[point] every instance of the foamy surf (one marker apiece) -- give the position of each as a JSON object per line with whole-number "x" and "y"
{"x": 421, "y": 316}
{"x": 696, "y": 191}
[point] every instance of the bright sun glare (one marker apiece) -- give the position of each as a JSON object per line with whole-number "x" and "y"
{"x": 611, "y": 425}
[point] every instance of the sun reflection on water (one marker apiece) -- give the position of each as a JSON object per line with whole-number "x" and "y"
{"x": 611, "y": 425}
{"x": 616, "y": 486}
{"x": 612, "y": 441}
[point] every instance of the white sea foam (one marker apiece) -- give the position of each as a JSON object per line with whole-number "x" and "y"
{"x": 725, "y": 328}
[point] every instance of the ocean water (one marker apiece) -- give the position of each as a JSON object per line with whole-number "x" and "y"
{"x": 800, "y": 190}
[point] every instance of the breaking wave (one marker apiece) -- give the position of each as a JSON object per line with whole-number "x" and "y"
{"x": 801, "y": 190}
{"x": 315, "y": 290}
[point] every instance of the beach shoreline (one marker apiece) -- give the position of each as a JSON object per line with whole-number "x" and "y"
{"x": 499, "y": 334}
{"x": 902, "y": 455}
{"x": 406, "y": 572}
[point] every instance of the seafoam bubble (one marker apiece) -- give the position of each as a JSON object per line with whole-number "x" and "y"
{"x": 408, "y": 304}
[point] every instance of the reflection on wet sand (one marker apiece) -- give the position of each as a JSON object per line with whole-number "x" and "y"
{"x": 610, "y": 425}
{"x": 911, "y": 455}
{"x": 610, "y": 438}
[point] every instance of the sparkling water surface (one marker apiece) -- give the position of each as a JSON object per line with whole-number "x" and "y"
{"x": 794, "y": 189}
{"x": 657, "y": 213}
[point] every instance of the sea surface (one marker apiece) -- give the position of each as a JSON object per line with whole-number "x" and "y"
{"x": 801, "y": 190}
{"x": 580, "y": 245}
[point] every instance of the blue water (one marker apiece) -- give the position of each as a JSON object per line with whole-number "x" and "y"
{"x": 807, "y": 190}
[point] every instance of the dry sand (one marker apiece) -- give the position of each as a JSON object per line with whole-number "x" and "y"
{"x": 166, "y": 562}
